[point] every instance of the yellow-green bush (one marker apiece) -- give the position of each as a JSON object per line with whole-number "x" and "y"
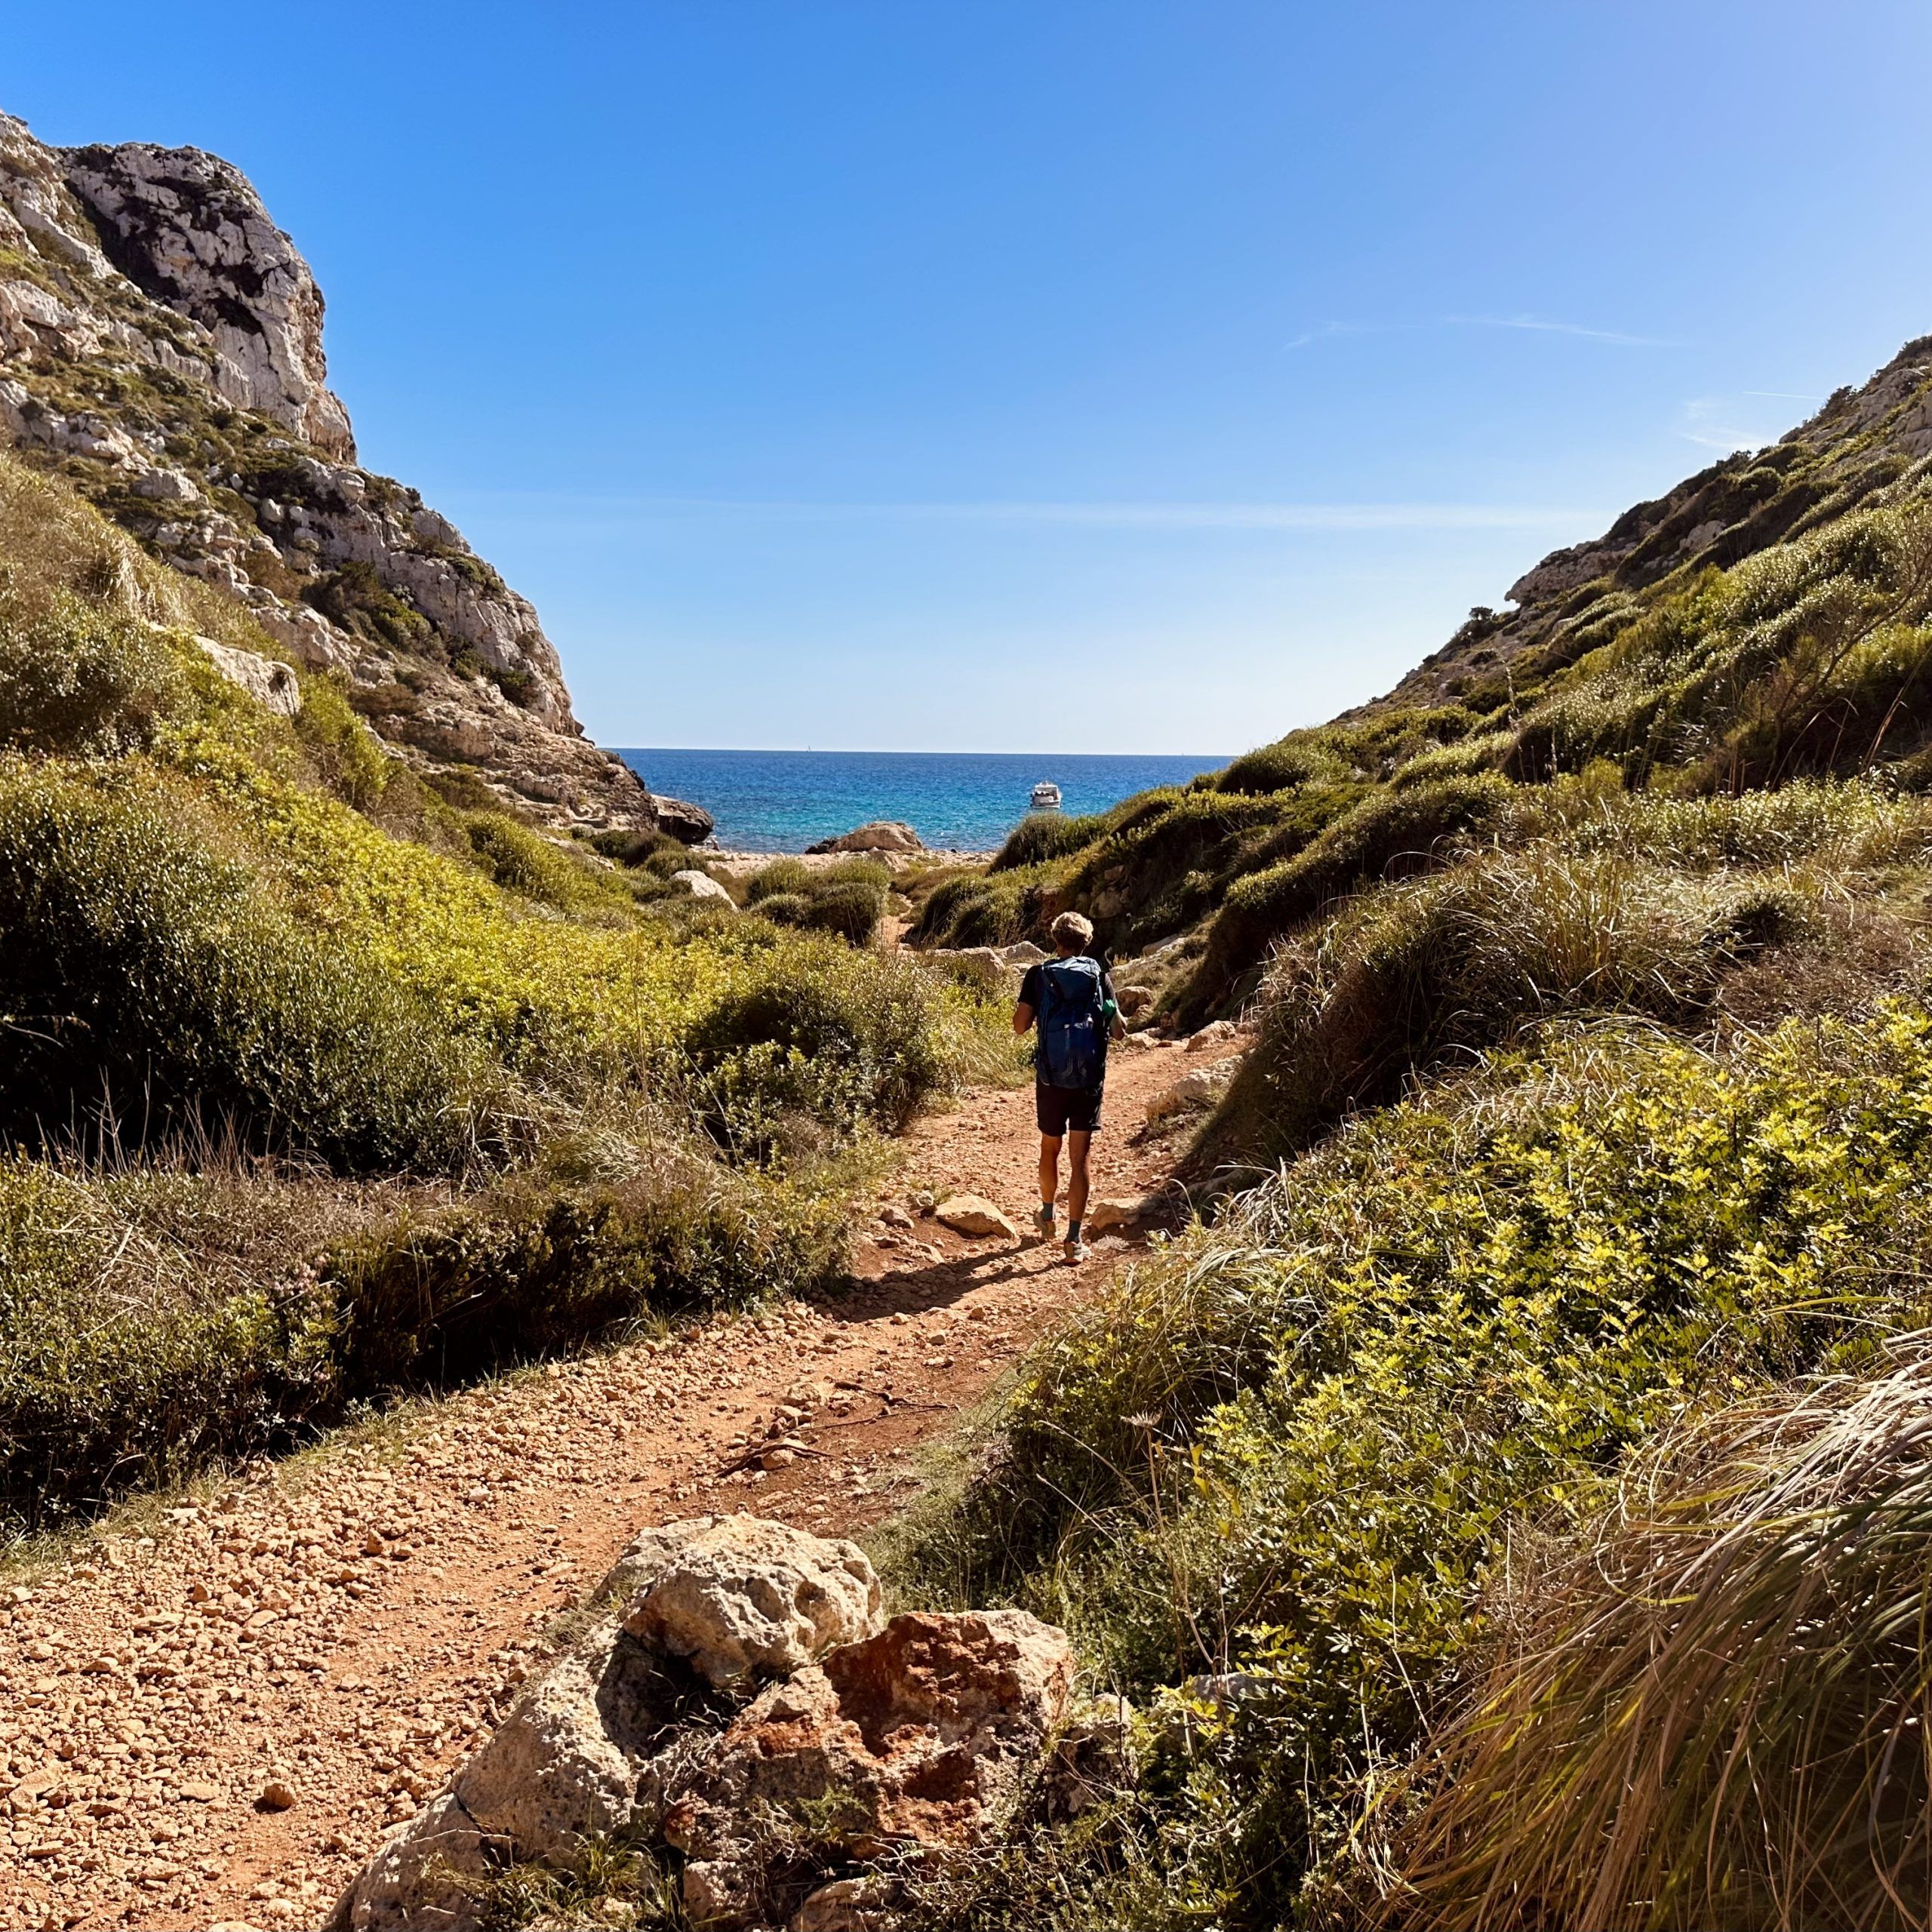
{"x": 76, "y": 677}
{"x": 841, "y": 1036}
{"x": 149, "y": 983}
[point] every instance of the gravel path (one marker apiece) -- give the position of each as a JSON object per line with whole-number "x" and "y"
{"x": 211, "y": 1723}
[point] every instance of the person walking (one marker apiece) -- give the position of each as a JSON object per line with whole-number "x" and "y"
{"x": 1071, "y": 1000}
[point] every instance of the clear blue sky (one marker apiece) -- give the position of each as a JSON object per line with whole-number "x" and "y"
{"x": 1043, "y": 374}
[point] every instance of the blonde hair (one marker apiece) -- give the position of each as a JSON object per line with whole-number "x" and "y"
{"x": 1070, "y": 929}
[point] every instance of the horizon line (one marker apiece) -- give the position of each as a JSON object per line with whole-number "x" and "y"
{"x": 848, "y": 751}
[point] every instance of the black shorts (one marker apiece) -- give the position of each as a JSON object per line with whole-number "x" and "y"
{"x": 1060, "y": 1108}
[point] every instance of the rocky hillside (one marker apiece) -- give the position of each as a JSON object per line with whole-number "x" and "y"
{"x": 160, "y": 347}
{"x": 1861, "y": 441}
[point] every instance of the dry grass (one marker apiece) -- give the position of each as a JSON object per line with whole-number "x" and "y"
{"x": 1718, "y": 1710}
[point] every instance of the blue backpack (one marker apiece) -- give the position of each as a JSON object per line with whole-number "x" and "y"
{"x": 1073, "y": 1041}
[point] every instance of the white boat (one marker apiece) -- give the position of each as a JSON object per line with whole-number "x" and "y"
{"x": 1046, "y": 797}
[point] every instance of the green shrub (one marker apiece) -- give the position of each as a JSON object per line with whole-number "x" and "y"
{"x": 153, "y": 1321}
{"x": 790, "y": 876}
{"x": 1043, "y": 835}
{"x": 355, "y": 597}
{"x": 841, "y": 1035}
{"x": 76, "y": 677}
{"x": 139, "y": 1338}
{"x": 971, "y": 909}
{"x": 346, "y": 754}
{"x": 653, "y": 851}
{"x": 535, "y": 1273}
{"x": 851, "y": 907}
{"x": 147, "y": 982}
{"x": 1300, "y": 759}
{"x": 785, "y": 908}
{"x": 858, "y": 870}
{"x": 525, "y": 862}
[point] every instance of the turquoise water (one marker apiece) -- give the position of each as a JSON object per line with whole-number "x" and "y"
{"x": 782, "y": 801}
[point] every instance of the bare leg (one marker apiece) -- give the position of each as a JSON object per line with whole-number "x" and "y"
{"x": 1076, "y": 1177}
{"x": 1049, "y": 1168}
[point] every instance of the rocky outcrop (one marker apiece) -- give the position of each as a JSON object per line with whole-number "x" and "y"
{"x": 690, "y": 824}
{"x": 186, "y": 229}
{"x": 736, "y": 1701}
{"x": 268, "y": 681}
{"x": 160, "y": 344}
{"x": 882, "y": 835}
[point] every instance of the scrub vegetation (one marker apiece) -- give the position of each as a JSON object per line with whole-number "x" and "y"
{"x": 318, "y": 1083}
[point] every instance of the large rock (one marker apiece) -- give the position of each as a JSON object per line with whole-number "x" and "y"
{"x": 740, "y": 1596}
{"x": 975, "y": 1216}
{"x": 1200, "y": 1087}
{"x": 1115, "y": 1212}
{"x": 625, "y": 1717}
{"x": 882, "y": 834}
{"x": 1218, "y": 1033}
{"x": 187, "y": 229}
{"x": 691, "y": 825}
{"x": 929, "y": 1735}
{"x": 979, "y": 966}
{"x": 702, "y": 885}
{"x": 422, "y": 1875}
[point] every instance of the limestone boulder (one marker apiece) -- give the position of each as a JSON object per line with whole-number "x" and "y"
{"x": 266, "y": 680}
{"x": 975, "y": 1216}
{"x": 1115, "y": 1211}
{"x": 979, "y": 966}
{"x": 1220, "y": 1033}
{"x": 739, "y": 1597}
{"x": 423, "y": 1875}
{"x": 555, "y": 1769}
{"x": 930, "y": 1736}
{"x": 702, "y": 885}
{"x": 882, "y": 835}
{"x": 850, "y": 1905}
{"x": 597, "y": 1744}
{"x": 1022, "y": 954}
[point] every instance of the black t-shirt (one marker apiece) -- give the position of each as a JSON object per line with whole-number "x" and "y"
{"x": 1032, "y": 991}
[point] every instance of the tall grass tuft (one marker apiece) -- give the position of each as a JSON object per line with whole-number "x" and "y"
{"x": 1717, "y": 1711}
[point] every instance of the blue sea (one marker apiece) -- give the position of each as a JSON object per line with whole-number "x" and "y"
{"x": 967, "y": 801}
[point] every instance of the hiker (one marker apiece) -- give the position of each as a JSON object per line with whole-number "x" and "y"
{"x": 1073, "y": 1001}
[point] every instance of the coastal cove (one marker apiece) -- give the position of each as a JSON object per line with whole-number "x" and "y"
{"x": 785, "y": 801}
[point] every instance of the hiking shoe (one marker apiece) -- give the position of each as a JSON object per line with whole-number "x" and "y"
{"x": 1043, "y": 1220}
{"x": 1077, "y": 1251}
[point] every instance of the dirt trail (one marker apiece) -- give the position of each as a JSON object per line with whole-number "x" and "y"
{"x": 212, "y": 1725}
